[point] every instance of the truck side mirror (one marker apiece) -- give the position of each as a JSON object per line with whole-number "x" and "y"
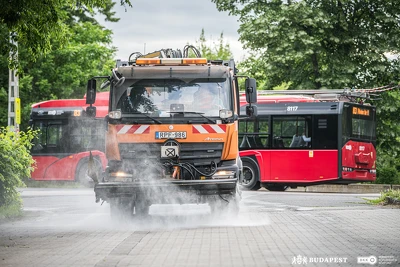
{"x": 91, "y": 92}
{"x": 91, "y": 112}
{"x": 251, "y": 90}
{"x": 251, "y": 111}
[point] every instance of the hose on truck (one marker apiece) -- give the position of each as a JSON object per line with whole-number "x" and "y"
{"x": 191, "y": 169}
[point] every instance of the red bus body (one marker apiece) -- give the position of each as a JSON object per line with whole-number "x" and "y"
{"x": 58, "y": 152}
{"x": 341, "y": 150}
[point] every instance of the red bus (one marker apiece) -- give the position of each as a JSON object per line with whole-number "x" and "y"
{"x": 66, "y": 137}
{"x": 338, "y": 144}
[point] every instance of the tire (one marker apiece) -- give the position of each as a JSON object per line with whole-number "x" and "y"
{"x": 230, "y": 205}
{"x": 81, "y": 174}
{"x": 142, "y": 208}
{"x": 225, "y": 206}
{"x": 251, "y": 174}
{"x": 121, "y": 209}
{"x": 276, "y": 187}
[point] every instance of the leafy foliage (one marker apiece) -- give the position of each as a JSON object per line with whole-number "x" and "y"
{"x": 218, "y": 50}
{"x": 63, "y": 72}
{"x": 15, "y": 163}
{"x": 388, "y": 138}
{"x": 37, "y": 24}
{"x": 311, "y": 44}
{"x": 389, "y": 197}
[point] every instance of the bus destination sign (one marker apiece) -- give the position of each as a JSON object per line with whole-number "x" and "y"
{"x": 360, "y": 111}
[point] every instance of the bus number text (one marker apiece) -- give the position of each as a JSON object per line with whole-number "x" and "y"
{"x": 292, "y": 108}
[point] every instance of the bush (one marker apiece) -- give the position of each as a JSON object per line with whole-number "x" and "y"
{"x": 389, "y": 197}
{"x": 387, "y": 175}
{"x": 15, "y": 165}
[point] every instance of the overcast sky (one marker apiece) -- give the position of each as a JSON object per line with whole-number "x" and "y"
{"x": 151, "y": 25}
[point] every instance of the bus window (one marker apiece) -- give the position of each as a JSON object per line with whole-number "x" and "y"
{"x": 286, "y": 129}
{"x": 263, "y": 133}
{"x": 87, "y": 135}
{"x": 246, "y": 128}
{"x": 325, "y": 132}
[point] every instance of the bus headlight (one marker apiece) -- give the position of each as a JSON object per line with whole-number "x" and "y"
{"x": 115, "y": 114}
{"x": 224, "y": 113}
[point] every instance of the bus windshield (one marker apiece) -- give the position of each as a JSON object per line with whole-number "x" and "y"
{"x": 161, "y": 98}
{"x": 68, "y": 136}
{"x": 359, "y": 122}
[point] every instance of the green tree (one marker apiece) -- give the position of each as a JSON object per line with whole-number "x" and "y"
{"x": 36, "y": 24}
{"x": 312, "y": 44}
{"x": 214, "y": 50}
{"x": 388, "y": 138}
{"x": 63, "y": 72}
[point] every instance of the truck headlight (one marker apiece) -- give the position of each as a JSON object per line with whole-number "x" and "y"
{"x": 224, "y": 113}
{"x": 115, "y": 114}
{"x": 224, "y": 175}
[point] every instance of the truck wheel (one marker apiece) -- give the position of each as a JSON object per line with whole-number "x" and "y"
{"x": 121, "y": 208}
{"x": 82, "y": 174}
{"x": 251, "y": 174}
{"x": 276, "y": 187}
{"x": 225, "y": 206}
{"x": 142, "y": 208}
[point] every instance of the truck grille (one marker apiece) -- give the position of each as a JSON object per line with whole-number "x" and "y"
{"x": 195, "y": 153}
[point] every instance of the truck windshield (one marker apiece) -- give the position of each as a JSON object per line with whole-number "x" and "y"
{"x": 162, "y": 98}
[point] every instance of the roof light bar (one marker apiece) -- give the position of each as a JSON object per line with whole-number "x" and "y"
{"x": 170, "y": 61}
{"x": 148, "y": 61}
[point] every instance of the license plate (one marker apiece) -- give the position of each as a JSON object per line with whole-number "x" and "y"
{"x": 170, "y": 135}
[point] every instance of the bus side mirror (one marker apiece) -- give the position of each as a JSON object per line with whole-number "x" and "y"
{"x": 251, "y": 111}
{"x": 251, "y": 91}
{"x": 91, "y": 92}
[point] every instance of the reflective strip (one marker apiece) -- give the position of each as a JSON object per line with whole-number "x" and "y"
{"x": 124, "y": 129}
{"x": 133, "y": 129}
{"x": 141, "y": 129}
{"x": 208, "y": 128}
{"x": 199, "y": 128}
{"x": 217, "y": 129}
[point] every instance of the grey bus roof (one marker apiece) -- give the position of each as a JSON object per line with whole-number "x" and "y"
{"x": 301, "y": 108}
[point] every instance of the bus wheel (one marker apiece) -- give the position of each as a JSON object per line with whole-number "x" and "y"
{"x": 251, "y": 175}
{"x": 82, "y": 174}
{"x": 276, "y": 187}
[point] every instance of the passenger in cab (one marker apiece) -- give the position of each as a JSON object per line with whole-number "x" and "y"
{"x": 300, "y": 140}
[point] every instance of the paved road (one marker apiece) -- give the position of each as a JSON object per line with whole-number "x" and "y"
{"x": 64, "y": 227}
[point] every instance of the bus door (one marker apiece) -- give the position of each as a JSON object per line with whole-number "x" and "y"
{"x": 325, "y": 147}
{"x": 254, "y": 137}
{"x": 291, "y": 156}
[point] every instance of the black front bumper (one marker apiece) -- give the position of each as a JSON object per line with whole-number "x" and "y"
{"x": 162, "y": 190}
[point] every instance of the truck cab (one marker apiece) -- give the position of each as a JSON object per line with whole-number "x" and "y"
{"x": 172, "y": 134}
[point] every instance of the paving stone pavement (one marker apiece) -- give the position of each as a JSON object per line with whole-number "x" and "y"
{"x": 266, "y": 233}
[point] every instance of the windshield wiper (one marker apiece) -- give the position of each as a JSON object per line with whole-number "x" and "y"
{"x": 153, "y": 119}
{"x": 193, "y": 112}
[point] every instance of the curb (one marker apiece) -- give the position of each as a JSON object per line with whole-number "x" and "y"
{"x": 351, "y": 188}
